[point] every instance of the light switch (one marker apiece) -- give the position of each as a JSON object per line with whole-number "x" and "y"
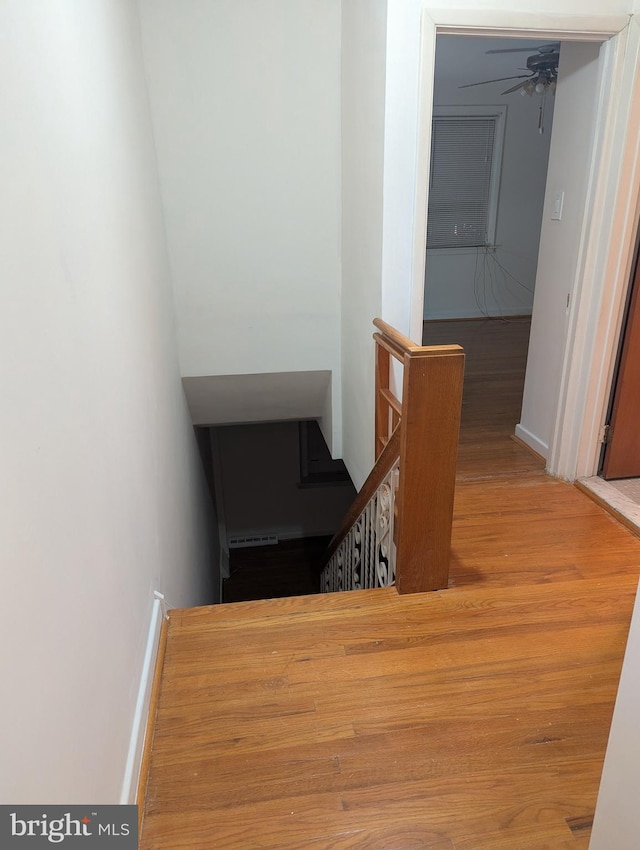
{"x": 558, "y": 203}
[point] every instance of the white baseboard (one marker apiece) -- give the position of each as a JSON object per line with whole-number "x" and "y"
{"x": 141, "y": 714}
{"x": 283, "y": 533}
{"x": 532, "y": 441}
{"x": 298, "y": 534}
{"x": 443, "y": 315}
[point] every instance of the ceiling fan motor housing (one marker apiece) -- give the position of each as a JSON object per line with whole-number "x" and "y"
{"x": 545, "y": 63}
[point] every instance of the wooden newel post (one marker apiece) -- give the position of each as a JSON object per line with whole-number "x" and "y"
{"x": 432, "y": 400}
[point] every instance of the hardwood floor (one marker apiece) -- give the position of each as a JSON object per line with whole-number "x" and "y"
{"x": 474, "y": 718}
{"x": 496, "y": 356}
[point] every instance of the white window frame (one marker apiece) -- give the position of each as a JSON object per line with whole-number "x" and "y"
{"x": 469, "y": 112}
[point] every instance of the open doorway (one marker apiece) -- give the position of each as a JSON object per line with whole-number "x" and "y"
{"x": 523, "y": 269}
{"x": 489, "y": 161}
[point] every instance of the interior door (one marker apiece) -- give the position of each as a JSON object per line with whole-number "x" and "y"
{"x": 622, "y": 451}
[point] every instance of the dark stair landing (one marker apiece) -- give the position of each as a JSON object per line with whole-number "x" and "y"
{"x": 291, "y": 568}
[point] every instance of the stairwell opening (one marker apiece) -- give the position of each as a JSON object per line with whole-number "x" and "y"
{"x": 279, "y": 499}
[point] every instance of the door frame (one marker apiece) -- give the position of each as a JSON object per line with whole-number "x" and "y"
{"x": 621, "y": 421}
{"x": 609, "y": 222}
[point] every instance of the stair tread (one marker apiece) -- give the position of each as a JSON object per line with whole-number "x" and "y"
{"x": 290, "y": 568}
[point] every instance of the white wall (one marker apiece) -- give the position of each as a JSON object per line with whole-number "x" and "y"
{"x": 260, "y": 473}
{"x": 401, "y": 166}
{"x": 569, "y": 162}
{"x": 363, "y": 104}
{"x": 246, "y": 109}
{"x": 464, "y": 283}
{"x": 102, "y": 498}
{"x": 617, "y": 819}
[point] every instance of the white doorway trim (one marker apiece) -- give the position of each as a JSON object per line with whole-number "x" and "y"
{"x": 609, "y": 221}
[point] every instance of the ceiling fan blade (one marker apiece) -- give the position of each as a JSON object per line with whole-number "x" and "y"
{"x": 499, "y": 80}
{"x": 543, "y": 48}
{"x": 515, "y": 88}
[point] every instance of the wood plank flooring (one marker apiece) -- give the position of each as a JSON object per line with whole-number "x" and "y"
{"x": 474, "y": 718}
{"x": 496, "y": 356}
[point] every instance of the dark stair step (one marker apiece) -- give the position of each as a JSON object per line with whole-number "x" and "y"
{"x": 291, "y": 568}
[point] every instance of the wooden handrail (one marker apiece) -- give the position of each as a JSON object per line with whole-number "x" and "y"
{"x": 401, "y": 343}
{"x": 389, "y": 456}
{"x": 422, "y": 351}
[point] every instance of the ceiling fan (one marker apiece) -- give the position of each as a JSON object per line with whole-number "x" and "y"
{"x": 542, "y": 66}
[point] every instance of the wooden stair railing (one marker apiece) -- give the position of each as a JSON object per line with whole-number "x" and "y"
{"x": 421, "y": 429}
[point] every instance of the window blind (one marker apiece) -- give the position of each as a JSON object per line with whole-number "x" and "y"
{"x": 462, "y": 153}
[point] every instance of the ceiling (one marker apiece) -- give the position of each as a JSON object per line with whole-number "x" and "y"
{"x": 462, "y": 59}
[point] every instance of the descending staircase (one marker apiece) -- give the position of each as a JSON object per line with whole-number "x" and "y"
{"x": 398, "y": 529}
